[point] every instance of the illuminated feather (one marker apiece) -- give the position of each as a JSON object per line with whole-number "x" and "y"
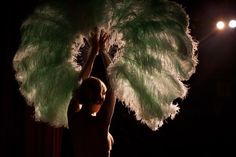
{"x": 150, "y": 44}
{"x": 158, "y": 55}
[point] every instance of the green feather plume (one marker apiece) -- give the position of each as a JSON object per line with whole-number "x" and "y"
{"x": 154, "y": 54}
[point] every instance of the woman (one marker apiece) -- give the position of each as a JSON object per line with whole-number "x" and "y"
{"x": 92, "y": 106}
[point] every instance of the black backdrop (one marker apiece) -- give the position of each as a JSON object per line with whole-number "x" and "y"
{"x": 205, "y": 125}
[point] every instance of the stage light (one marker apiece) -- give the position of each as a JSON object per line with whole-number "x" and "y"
{"x": 220, "y": 25}
{"x": 232, "y": 23}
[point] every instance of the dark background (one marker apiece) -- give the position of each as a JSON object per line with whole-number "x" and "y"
{"x": 205, "y": 126}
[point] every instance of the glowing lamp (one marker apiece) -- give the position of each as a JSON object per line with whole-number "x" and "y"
{"x": 220, "y": 25}
{"x": 232, "y": 23}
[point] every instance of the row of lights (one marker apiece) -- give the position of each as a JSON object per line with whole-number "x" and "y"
{"x": 221, "y": 24}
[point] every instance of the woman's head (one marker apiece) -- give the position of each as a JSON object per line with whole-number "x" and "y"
{"x": 91, "y": 91}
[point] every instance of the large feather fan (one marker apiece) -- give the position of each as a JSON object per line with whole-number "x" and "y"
{"x": 150, "y": 45}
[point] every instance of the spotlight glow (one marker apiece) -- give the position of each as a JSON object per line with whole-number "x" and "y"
{"x": 220, "y": 25}
{"x": 232, "y": 23}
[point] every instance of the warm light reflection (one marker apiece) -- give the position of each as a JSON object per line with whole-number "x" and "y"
{"x": 220, "y": 25}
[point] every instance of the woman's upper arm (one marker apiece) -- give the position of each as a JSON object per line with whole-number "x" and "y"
{"x": 107, "y": 108}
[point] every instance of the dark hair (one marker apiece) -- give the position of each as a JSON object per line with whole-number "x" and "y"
{"x": 89, "y": 92}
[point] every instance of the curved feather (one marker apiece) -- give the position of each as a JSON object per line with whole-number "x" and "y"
{"x": 42, "y": 65}
{"x": 159, "y": 54}
{"x": 151, "y": 46}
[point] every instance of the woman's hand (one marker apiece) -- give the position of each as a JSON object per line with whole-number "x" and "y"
{"x": 103, "y": 41}
{"x": 94, "y": 41}
{"x": 99, "y": 40}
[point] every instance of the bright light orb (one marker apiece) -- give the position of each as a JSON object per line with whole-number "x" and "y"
{"x": 220, "y": 25}
{"x": 232, "y": 23}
